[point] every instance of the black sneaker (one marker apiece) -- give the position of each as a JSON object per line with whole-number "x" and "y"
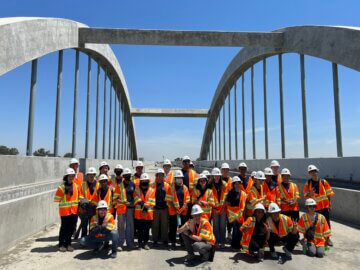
{"x": 113, "y": 254}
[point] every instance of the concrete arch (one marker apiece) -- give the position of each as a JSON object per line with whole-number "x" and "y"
{"x": 338, "y": 44}
{"x": 26, "y": 39}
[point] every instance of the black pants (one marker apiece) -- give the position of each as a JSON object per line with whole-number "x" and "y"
{"x": 257, "y": 242}
{"x": 84, "y": 226}
{"x": 292, "y": 214}
{"x": 236, "y": 235}
{"x": 143, "y": 230}
{"x": 173, "y": 227}
{"x": 67, "y": 228}
{"x": 290, "y": 241}
{"x": 326, "y": 213}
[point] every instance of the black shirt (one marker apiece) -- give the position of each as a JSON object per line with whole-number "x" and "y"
{"x": 160, "y": 202}
{"x": 130, "y": 188}
{"x": 273, "y": 183}
{"x": 315, "y": 185}
{"x": 186, "y": 177}
{"x": 180, "y": 194}
{"x": 103, "y": 193}
{"x": 245, "y": 181}
{"x": 218, "y": 189}
{"x": 233, "y": 197}
{"x": 91, "y": 186}
{"x": 286, "y": 185}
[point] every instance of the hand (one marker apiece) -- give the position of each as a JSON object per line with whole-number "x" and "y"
{"x": 312, "y": 192}
{"x": 204, "y": 203}
{"x": 147, "y": 206}
{"x": 104, "y": 224}
{"x": 266, "y": 227}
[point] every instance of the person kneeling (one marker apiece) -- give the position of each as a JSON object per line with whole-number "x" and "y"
{"x": 198, "y": 236}
{"x": 102, "y": 229}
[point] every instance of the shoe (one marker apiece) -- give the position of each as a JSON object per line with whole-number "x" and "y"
{"x": 70, "y": 249}
{"x": 106, "y": 245}
{"x": 113, "y": 254}
{"x": 274, "y": 255}
{"x": 146, "y": 247}
{"x": 62, "y": 249}
{"x": 155, "y": 244}
{"x": 329, "y": 242}
{"x": 261, "y": 255}
{"x": 287, "y": 253}
{"x": 119, "y": 248}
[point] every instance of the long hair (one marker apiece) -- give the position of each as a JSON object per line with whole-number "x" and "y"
{"x": 68, "y": 187}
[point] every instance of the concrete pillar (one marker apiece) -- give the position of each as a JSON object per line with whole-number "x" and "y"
{"x": 122, "y": 132}
{"x": 119, "y": 124}
{"x": 282, "y": 126}
{"x": 29, "y": 145}
{"x": 76, "y": 85}
{"x": 337, "y": 110}
{"x": 229, "y": 111}
{"x": 88, "y": 108}
{"x": 236, "y": 128}
{"x": 97, "y": 111}
{"x": 253, "y": 112}
{"x": 224, "y": 124}
{"x": 215, "y": 133}
{"x": 303, "y": 102}
{"x": 104, "y": 123}
{"x": 219, "y": 128}
{"x": 58, "y": 102}
{"x": 110, "y": 116}
{"x": 265, "y": 112}
{"x": 243, "y": 114}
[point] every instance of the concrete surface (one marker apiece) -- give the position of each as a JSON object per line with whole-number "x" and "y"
{"x": 169, "y": 112}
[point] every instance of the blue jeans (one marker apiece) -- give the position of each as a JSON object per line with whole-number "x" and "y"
{"x": 126, "y": 228}
{"x": 94, "y": 242}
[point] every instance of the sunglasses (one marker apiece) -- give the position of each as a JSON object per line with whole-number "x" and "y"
{"x": 312, "y": 206}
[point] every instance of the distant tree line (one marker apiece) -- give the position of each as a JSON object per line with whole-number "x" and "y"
{"x": 41, "y": 152}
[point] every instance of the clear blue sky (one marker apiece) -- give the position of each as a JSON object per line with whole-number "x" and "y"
{"x": 186, "y": 77}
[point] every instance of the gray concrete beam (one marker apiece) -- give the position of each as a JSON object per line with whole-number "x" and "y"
{"x": 179, "y": 38}
{"x": 169, "y": 112}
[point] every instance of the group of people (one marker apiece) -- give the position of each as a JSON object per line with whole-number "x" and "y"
{"x": 254, "y": 210}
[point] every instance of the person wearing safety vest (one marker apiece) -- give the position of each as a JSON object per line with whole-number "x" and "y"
{"x": 160, "y": 224}
{"x": 190, "y": 177}
{"x": 208, "y": 175}
{"x": 256, "y": 194}
{"x": 282, "y": 230}
{"x": 219, "y": 189}
{"x": 102, "y": 230}
{"x": 177, "y": 199}
{"x": 104, "y": 192}
{"x": 144, "y": 197}
{"x": 203, "y": 196}
{"x": 321, "y": 191}
{"x": 104, "y": 168}
{"x": 315, "y": 229}
{"x": 236, "y": 201}
{"x": 139, "y": 168}
{"x": 225, "y": 174}
{"x": 288, "y": 196}
{"x": 255, "y": 233}
{"x": 67, "y": 196}
{"x": 198, "y": 236}
{"x": 169, "y": 175}
{"x": 269, "y": 187}
{"x": 124, "y": 197}
{"x": 275, "y": 167}
{"x": 79, "y": 176}
{"x": 246, "y": 180}
{"x": 191, "y": 165}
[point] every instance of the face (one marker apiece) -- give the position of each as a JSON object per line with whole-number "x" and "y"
{"x": 103, "y": 184}
{"x": 196, "y": 218}
{"x": 268, "y": 178}
{"x": 167, "y": 168}
{"x": 186, "y": 164}
{"x": 127, "y": 177}
{"x": 70, "y": 178}
{"x": 203, "y": 182}
{"x": 160, "y": 177}
{"x": 139, "y": 170}
{"x": 311, "y": 209}
{"x": 178, "y": 181}
{"x": 242, "y": 171}
{"x": 285, "y": 178}
{"x": 258, "y": 182}
{"x": 225, "y": 172}
{"x": 313, "y": 174}
{"x": 275, "y": 216}
{"x": 275, "y": 170}
{"x": 102, "y": 212}
{"x": 74, "y": 166}
{"x": 144, "y": 183}
{"x": 104, "y": 170}
{"x": 216, "y": 178}
{"x": 237, "y": 185}
{"x": 91, "y": 177}
{"x": 259, "y": 214}
{"x": 118, "y": 172}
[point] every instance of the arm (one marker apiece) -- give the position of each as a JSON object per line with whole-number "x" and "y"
{"x": 59, "y": 195}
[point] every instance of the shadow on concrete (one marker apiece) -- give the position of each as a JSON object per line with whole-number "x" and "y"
{"x": 47, "y": 249}
{"x": 47, "y": 239}
{"x": 89, "y": 255}
{"x": 181, "y": 261}
{"x": 243, "y": 257}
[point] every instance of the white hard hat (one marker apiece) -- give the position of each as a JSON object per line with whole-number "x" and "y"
{"x": 126, "y": 171}
{"x": 206, "y": 172}
{"x": 160, "y": 171}
{"x": 268, "y": 171}
{"x": 274, "y": 208}
{"x": 139, "y": 163}
{"x": 274, "y": 163}
{"x": 69, "y": 171}
{"x": 236, "y": 179}
{"x": 119, "y": 167}
{"x": 103, "y": 163}
{"x": 186, "y": 158}
{"x": 191, "y": 163}
{"x": 202, "y": 176}
{"x": 260, "y": 175}
{"x": 178, "y": 174}
{"x": 215, "y": 172}
{"x": 167, "y": 162}
{"x": 225, "y": 166}
{"x": 74, "y": 161}
{"x": 312, "y": 168}
{"x": 310, "y": 202}
{"x": 253, "y": 174}
{"x": 242, "y": 165}
{"x": 285, "y": 171}
{"x": 259, "y": 206}
{"x": 103, "y": 177}
{"x": 196, "y": 210}
{"x": 102, "y": 204}
{"x": 144, "y": 177}
{"x": 91, "y": 170}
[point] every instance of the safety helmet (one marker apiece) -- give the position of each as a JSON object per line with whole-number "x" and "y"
{"x": 274, "y": 208}
{"x": 69, "y": 171}
{"x": 74, "y": 161}
{"x": 104, "y": 163}
{"x": 91, "y": 170}
{"x": 310, "y": 202}
{"x": 259, "y": 206}
{"x": 159, "y": 171}
{"x": 102, "y": 204}
{"x": 215, "y": 172}
{"x": 186, "y": 158}
{"x": 103, "y": 177}
{"x": 196, "y": 210}
{"x": 312, "y": 168}
{"x": 202, "y": 176}
{"x": 268, "y": 171}
{"x": 206, "y": 172}
{"x": 118, "y": 167}
{"x": 274, "y": 163}
{"x": 167, "y": 162}
{"x": 139, "y": 163}
{"x": 144, "y": 177}
{"x": 191, "y": 163}
{"x": 178, "y": 174}
{"x": 236, "y": 179}
{"x": 225, "y": 166}
{"x": 260, "y": 175}
{"x": 126, "y": 171}
{"x": 242, "y": 165}
{"x": 253, "y": 174}
{"x": 285, "y": 171}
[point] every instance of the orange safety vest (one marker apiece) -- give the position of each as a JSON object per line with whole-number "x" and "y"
{"x": 192, "y": 180}
{"x": 78, "y": 179}
{"x": 249, "y": 185}
{"x": 109, "y": 197}
{"x": 270, "y": 194}
{"x": 85, "y": 190}
{"x": 322, "y": 230}
{"x": 285, "y": 226}
{"x": 136, "y": 180}
{"x": 228, "y": 183}
{"x": 149, "y": 198}
{"x": 204, "y": 230}
{"x": 170, "y": 178}
{"x": 208, "y": 197}
{"x": 219, "y": 202}
{"x": 120, "y": 199}
{"x": 108, "y": 219}
{"x": 236, "y": 213}
{"x": 249, "y": 224}
{"x": 325, "y": 191}
{"x": 173, "y": 201}
{"x": 282, "y": 194}
{"x": 252, "y": 199}
{"x": 68, "y": 204}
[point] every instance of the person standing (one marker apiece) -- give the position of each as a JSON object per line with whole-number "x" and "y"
{"x": 246, "y": 180}
{"x": 190, "y": 177}
{"x": 79, "y": 176}
{"x": 256, "y": 194}
{"x": 104, "y": 193}
{"x": 169, "y": 175}
{"x": 225, "y": 174}
{"x": 139, "y": 168}
{"x": 203, "y": 196}
{"x": 269, "y": 186}
{"x": 104, "y": 169}
{"x": 275, "y": 167}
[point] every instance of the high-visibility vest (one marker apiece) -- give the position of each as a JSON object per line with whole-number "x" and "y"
{"x": 285, "y": 226}
{"x": 236, "y": 213}
{"x": 270, "y": 194}
{"x": 110, "y": 182}
{"x": 136, "y": 180}
{"x": 192, "y": 180}
{"x": 322, "y": 230}
{"x": 170, "y": 178}
{"x": 249, "y": 185}
{"x": 149, "y": 198}
{"x": 108, "y": 219}
{"x": 109, "y": 197}
{"x": 120, "y": 199}
{"x": 247, "y": 234}
{"x": 252, "y": 199}
{"x": 282, "y": 194}
{"x": 78, "y": 179}
{"x": 68, "y": 204}
{"x": 85, "y": 190}
{"x": 208, "y": 197}
{"x": 219, "y": 202}
{"x": 322, "y": 199}
{"x": 173, "y": 201}
{"x": 228, "y": 183}
{"x": 204, "y": 230}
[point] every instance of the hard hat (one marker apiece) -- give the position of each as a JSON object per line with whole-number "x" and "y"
{"x": 191, "y": 163}
{"x": 259, "y": 206}
{"x": 268, "y": 171}
{"x": 206, "y": 172}
{"x": 225, "y": 166}
{"x": 104, "y": 163}
{"x": 139, "y": 164}
{"x": 74, "y": 161}
{"x": 215, "y": 172}
{"x": 310, "y": 202}
{"x": 242, "y": 165}
{"x": 312, "y": 168}
{"x": 236, "y": 179}
{"x": 202, "y": 176}
{"x": 285, "y": 171}
{"x": 274, "y": 163}
{"x": 102, "y": 204}
{"x": 103, "y": 177}
{"x": 126, "y": 171}
{"x": 186, "y": 158}
{"x": 159, "y": 171}
{"x": 253, "y": 174}
{"x": 274, "y": 208}
{"x": 69, "y": 171}
{"x": 91, "y": 170}
{"x": 167, "y": 162}
{"x": 178, "y": 174}
{"x": 260, "y": 175}
{"x": 196, "y": 210}
{"x": 118, "y": 167}
{"x": 144, "y": 177}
